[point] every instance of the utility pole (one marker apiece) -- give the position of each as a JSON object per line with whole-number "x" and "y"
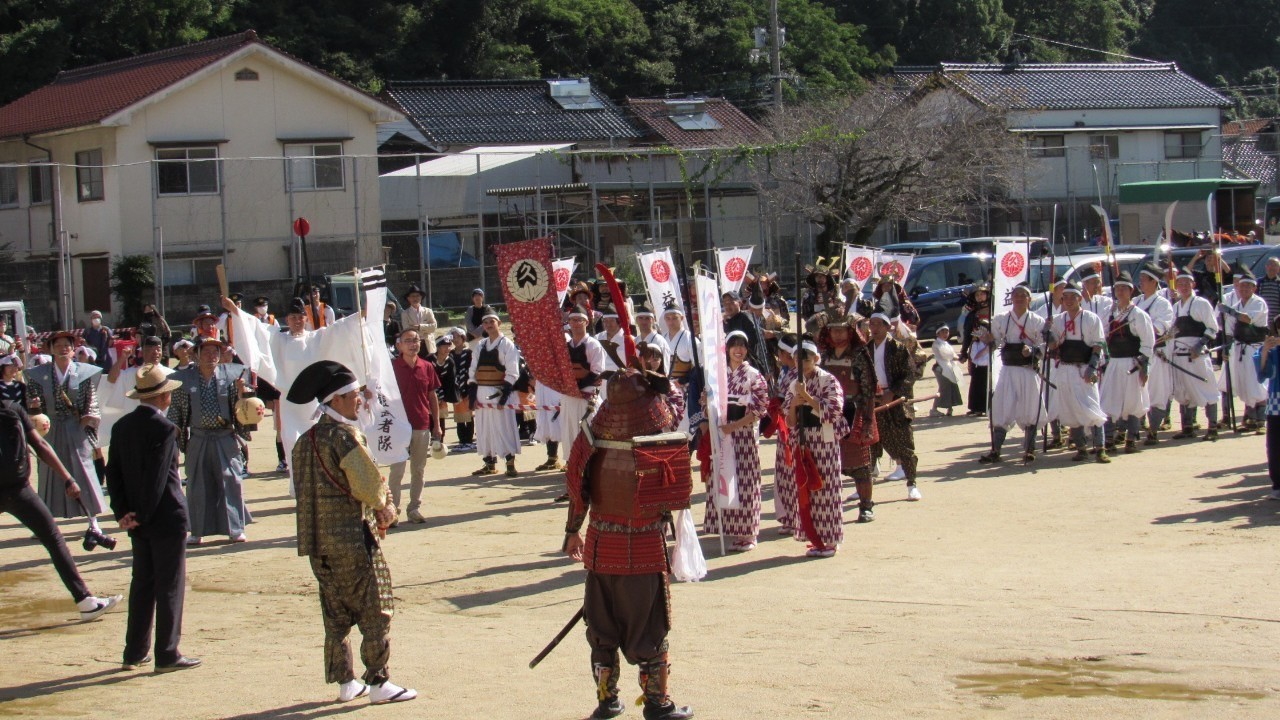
{"x": 775, "y": 54}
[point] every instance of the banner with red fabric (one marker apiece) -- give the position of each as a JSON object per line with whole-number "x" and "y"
{"x": 528, "y": 285}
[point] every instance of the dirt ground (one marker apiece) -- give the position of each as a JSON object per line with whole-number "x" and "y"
{"x": 1142, "y": 589}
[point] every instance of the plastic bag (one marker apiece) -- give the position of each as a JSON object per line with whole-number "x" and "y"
{"x": 687, "y": 563}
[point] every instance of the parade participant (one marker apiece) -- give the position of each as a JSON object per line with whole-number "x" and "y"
{"x": 1017, "y": 401}
{"x": 147, "y": 500}
{"x": 209, "y": 435}
{"x": 261, "y": 311}
{"x": 736, "y": 320}
{"x": 822, "y": 293}
{"x": 1054, "y": 305}
{"x": 748, "y": 401}
{"x": 318, "y": 315}
{"x": 1159, "y": 374}
{"x": 1194, "y": 385}
{"x": 1269, "y": 289}
{"x": 447, "y": 373}
{"x": 205, "y": 323}
{"x": 1078, "y": 340}
{"x": 495, "y": 366}
{"x": 113, "y": 397}
{"x": 391, "y": 326}
{"x": 654, "y": 364}
{"x": 894, "y": 380}
{"x": 680, "y": 340}
{"x": 611, "y": 338}
{"x": 418, "y": 383}
{"x": 1093, "y": 298}
{"x": 344, "y": 508}
{"x": 977, "y": 308}
{"x": 463, "y": 413}
{"x": 1205, "y": 268}
{"x": 784, "y": 469}
{"x": 587, "y": 358}
{"x": 1130, "y": 346}
{"x": 850, "y": 362}
{"x": 11, "y": 386}
{"x": 1244, "y": 322}
{"x": 815, "y": 402}
{"x": 1268, "y": 366}
{"x": 476, "y": 314}
{"x": 18, "y": 434}
{"x": 67, "y": 391}
{"x": 182, "y": 354}
{"x": 278, "y": 357}
{"x": 947, "y": 371}
{"x": 889, "y": 298}
{"x": 98, "y": 337}
{"x": 418, "y": 317}
{"x": 647, "y": 332}
{"x": 979, "y": 356}
{"x": 627, "y": 602}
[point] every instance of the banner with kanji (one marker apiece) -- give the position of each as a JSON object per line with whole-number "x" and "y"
{"x": 1012, "y": 262}
{"x": 896, "y": 265}
{"x": 859, "y": 264}
{"x": 385, "y": 423}
{"x": 562, "y": 273}
{"x": 733, "y": 264}
{"x": 715, "y": 373}
{"x": 660, "y": 280}
{"x": 528, "y": 287}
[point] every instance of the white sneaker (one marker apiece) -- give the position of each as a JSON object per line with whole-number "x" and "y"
{"x": 897, "y": 474}
{"x": 281, "y": 467}
{"x": 389, "y": 692}
{"x": 913, "y": 493}
{"x": 351, "y": 690}
{"x": 92, "y": 608}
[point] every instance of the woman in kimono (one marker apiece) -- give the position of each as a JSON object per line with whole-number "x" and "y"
{"x": 815, "y": 411}
{"x": 748, "y": 402}
{"x": 67, "y": 391}
{"x": 947, "y": 370}
{"x": 784, "y": 471}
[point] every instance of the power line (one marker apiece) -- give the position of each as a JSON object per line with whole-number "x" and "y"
{"x": 1084, "y": 47}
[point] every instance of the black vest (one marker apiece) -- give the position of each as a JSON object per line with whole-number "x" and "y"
{"x": 1187, "y": 326}
{"x": 1075, "y": 352}
{"x": 1122, "y": 343}
{"x": 1011, "y": 355}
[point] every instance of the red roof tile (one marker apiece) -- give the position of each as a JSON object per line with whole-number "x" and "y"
{"x": 654, "y": 114}
{"x": 1245, "y": 127}
{"x": 87, "y": 95}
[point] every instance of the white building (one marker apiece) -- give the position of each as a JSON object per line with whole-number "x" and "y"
{"x": 180, "y": 154}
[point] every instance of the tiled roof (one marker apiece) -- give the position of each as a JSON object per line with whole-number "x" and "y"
{"x": 504, "y": 112}
{"x": 86, "y": 95}
{"x": 1248, "y": 161}
{"x": 654, "y": 114}
{"x": 1053, "y": 86}
{"x": 1253, "y": 126}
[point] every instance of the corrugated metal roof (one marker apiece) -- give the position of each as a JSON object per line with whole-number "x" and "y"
{"x": 1072, "y": 86}
{"x": 505, "y": 112}
{"x": 475, "y": 160}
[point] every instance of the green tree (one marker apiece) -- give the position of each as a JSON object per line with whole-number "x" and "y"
{"x": 1208, "y": 38}
{"x": 132, "y": 280}
{"x": 932, "y": 31}
{"x": 1097, "y": 24}
{"x": 1256, "y": 96}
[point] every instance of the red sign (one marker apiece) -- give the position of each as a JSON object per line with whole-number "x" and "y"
{"x": 562, "y": 279}
{"x": 1013, "y": 264}
{"x": 660, "y": 271}
{"x": 301, "y": 227}
{"x": 861, "y": 268}
{"x": 734, "y": 269}
{"x": 894, "y": 268}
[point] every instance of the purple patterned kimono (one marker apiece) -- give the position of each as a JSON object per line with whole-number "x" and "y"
{"x": 824, "y": 444}
{"x": 746, "y": 387}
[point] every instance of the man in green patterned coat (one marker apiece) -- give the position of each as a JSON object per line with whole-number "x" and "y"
{"x": 344, "y": 508}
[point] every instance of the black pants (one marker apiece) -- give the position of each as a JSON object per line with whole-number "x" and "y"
{"x": 627, "y": 613}
{"x": 1273, "y": 450}
{"x": 156, "y": 593}
{"x": 978, "y": 388}
{"x": 25, "y": 505}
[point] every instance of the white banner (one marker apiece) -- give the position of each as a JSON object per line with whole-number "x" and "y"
{"x": 715, "y": 374}
{"x": 860, "y": 264}
{"x": 1012, "y": 262}
{"x": 660, "y": 280}
{"x": 898, "y": 265}
{"x": 733, "y": 264}
{"x": 384, "y": 422}
{"x": 562, "y": 270}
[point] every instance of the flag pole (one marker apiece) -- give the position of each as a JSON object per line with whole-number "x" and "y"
{"x": 364, "y": 340}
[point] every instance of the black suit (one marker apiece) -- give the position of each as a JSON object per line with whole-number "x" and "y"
{"x": 142, "y": 477}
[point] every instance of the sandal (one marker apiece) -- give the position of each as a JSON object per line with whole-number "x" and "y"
{"x": 820, "y": 552}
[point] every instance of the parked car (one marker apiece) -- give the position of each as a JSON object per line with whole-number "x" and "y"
{"x": 924, "y": 248}
{"x": 938, "y": 285}
{"x": 1124, "y": 261}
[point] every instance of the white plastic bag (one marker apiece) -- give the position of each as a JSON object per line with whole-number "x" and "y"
{"x": 687, "y": 563}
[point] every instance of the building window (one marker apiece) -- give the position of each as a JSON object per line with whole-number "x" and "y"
{"x": 39, "y": 182}
{"x": 246, "y": 74}
{"x": 89, "y": 175}
{"x": 192, "y": 271}
{"x": 187, "y": 171}
{"x": 314, "y": 167}
{"x": 1046, "y": 146}
{"x": 1182, "y": 145}
{"x": 8, "y": 186}
{"x": 1104, "y": 147}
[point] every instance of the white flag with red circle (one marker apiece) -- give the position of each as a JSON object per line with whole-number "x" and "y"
{"x": 896, "y": 265}
{"x": 562, "y": 274}
{"x": 1010, "y": 269}
{"x": 660, "y": 280}
{"x": 733, "y": 267}
{"x": 860, "y": 264}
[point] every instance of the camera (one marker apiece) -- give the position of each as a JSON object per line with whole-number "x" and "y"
{"x": 94, "y": 537}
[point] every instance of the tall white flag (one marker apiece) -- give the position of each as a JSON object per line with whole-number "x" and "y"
{"x": 562, "y": 272}
{"x": 859, "y": 264}
{"x": 660, "y": 280}
{"x": 384, "y": 422}
{"x": 1012, "y": 263}
{"x": 733, "y": 264}
{"x": 896, "y": 265}
{"x": 716, "y": 378}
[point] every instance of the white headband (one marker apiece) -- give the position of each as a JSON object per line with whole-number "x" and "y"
{"x": 341, "y": 391}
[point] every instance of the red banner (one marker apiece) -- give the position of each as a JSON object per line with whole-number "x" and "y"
{"x": 528, "y": 284}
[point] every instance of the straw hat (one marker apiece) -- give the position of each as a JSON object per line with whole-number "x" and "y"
{"x": 152, "y": 381}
